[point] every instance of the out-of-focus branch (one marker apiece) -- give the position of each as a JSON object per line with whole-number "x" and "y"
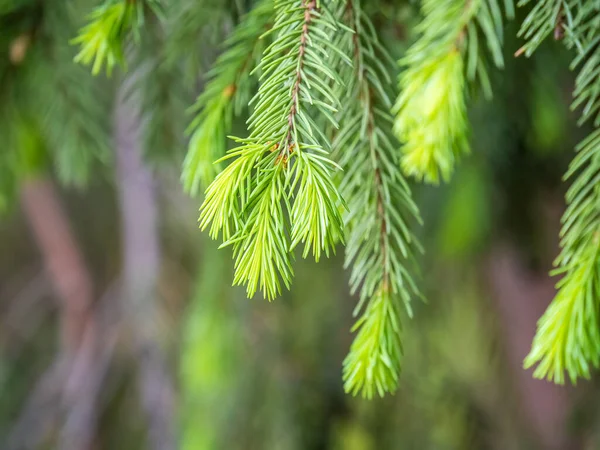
{"x": 520, "y": 297}
{"x": 83, "y": 383}
{"x": 41, "y": 411}
{"x": 68, "y": 394}
{"x": 63, "y": 261}
{"x": 141, "y": 266}
{"x": 73, "y": 285}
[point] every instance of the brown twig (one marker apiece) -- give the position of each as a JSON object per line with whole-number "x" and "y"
{"x": 309, "y": 7}
{"x": 367, "y": 100}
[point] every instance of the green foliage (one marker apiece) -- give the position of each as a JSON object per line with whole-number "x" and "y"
{"x": 9, "y": 6}
{"x": 285, "y": 150}
{"x": 14, "y": 160}
{"x": 192, "y": 28}
{"x": 211, "y": 357}
{"x": 225, "y": 96}
{"x": 568, "y": 335}
{"x": 465, "y": 218}
{"x": 76, "y": 119}
{"x": 162, "y": 97}
{"x": 280, "y": 187}
{"x": 546, "y": 17}
{"x": 102, "y": 40}
{"x": 63, "y": 104}
{"x": 25, "y": 154}
{"x": 432, "y": 120}
{"x": 373, "y": 364}
{"x": 27, "y": 157}
{"x": 431, "y": 116}
{"x": 380, "y": 244}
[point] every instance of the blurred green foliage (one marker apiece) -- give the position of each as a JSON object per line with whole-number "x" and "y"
{"x": 263, "y": 376}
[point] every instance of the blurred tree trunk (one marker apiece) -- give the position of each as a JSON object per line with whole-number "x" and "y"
{"x": 141, "y": 267}
{"x": 76, "y": 363}
{"x": 521, "y": 297}
{"x": 63, "y": 260}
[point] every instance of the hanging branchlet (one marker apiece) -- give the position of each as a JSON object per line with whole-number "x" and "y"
{"x": 225, "y": 96}
{"x": 545, "y": 18}
{"x": 75, "y": 118}
{"x": 568, "y": 334}
{"x": 102, "y": 40}
{"x": 60, "y": 100}
{"x": 283, "y": 164}
{"x": 431, "y": 118}
{"x": 380, "y": 244}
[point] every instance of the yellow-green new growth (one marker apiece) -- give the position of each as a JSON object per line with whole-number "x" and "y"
{"x": 226, "y": 94}
{"x": 207, "y": 143}
{"x": 102, "y": 40}
{"x": 568, "y": 334}
{"x": 371, "y": 367}
{"x": 261, "y": 257}
{"x": 431, "y": 118}
{"x": 282, "y": 170}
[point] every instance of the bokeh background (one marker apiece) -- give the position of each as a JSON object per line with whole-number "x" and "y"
{"x": 119, "y": 328}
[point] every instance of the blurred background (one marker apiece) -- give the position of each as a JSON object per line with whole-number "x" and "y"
{"x": 119, "y": 328}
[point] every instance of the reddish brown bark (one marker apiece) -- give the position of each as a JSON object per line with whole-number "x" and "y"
{"x": 63, "y": 261}
{"x": 521, "y": 296}
{"x": 76, "y": 385}
{"x": 520, "y": 299}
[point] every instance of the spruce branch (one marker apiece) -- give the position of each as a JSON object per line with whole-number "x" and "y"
{"x": 163, "y": 97}
{"x": 75, "y": 116}
{"x": 380, "y": 244}
{"x": 568, "y": 334}
{"x": 192, "y": 26}
{"x": 75, "y": 124}
{"x": 545, "y": 18}
{"x": 102, "y": 40}
{"x": 225, "y": 96}
{"x": 283, "y": 165}
{"x": 431, "y": 119}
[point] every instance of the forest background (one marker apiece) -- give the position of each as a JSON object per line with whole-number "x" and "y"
{"x": 93, "y": 208}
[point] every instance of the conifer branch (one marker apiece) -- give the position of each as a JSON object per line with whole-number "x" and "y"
{"x": 431, "y": 119}
{"x": 225, "y": 96}
{"x": 102, "y": 40}
{"x": 283, "y": 164}
{"x": 545, "y": 18}
{"x": 380, "y": 243}
{"x": 192, "y": 27}
{"x": 162, "y": 95}
{"x": 75, "y": 119}
{"x": 568, "y": 334}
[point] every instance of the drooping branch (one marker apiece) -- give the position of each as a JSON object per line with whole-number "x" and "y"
{"x": 225, "y": 96}
{"x": 431, "y": 117}
{"x": 380, "y": 243}
{"x": 283, "y": 164}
